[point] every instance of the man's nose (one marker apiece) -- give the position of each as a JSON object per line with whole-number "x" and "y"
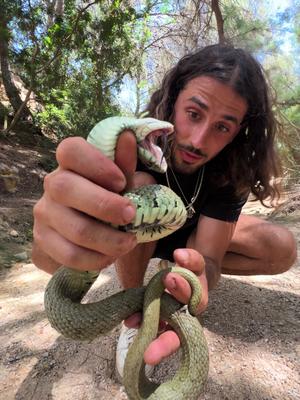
{"x": 200, "y": 136}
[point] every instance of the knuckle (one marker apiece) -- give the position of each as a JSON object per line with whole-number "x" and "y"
{"x": 35, "y": 254}
{"x": 38, "y": 210}
{"x": 71, "y": 257}
{"x": 37, "y": 235}
{"x": 116, "y": 243}
{"x": 49, "y": 178}
{"x": 56, "y": 184}
{"x": 84, "y": 260}
{"x": 83, "y": 232}
{"x": 123, "y": 243}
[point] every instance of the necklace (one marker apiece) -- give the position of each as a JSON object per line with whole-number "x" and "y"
{"x": 189, "y": 205}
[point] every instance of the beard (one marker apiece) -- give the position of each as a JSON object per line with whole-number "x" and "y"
{"x": 181, "y": 166}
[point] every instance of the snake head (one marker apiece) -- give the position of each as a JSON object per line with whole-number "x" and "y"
{"x": 148, "y": 133}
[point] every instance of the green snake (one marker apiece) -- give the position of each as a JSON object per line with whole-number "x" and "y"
{"x": 159, "y": 211}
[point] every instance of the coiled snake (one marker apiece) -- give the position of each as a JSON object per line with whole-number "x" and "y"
{"x": 159, "y": 213}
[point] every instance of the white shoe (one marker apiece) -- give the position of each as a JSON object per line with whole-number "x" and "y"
{"x": 126, "y": 338}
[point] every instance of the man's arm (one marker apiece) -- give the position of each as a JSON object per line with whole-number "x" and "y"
{"x": 211, "y": 239}
{"x": 212, "y": 272}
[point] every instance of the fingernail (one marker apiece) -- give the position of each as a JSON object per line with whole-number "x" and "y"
{"x": 184, "y": 255}
{"x": 118, "y": 184}
{"x": 173, "y": 284}
{"x": 128, "y": 214}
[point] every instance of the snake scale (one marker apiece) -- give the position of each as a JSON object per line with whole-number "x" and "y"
{"x": 159, "y": 211}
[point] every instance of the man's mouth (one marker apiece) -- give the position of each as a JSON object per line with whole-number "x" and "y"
{"x": 190, "y": 157}
{"x": 154, "y": 154}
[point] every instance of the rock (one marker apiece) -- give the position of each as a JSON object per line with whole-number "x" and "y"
{"x": 14, "y": 233}
{"x": 10, "y": 177}
{"x": 21, "y": 256}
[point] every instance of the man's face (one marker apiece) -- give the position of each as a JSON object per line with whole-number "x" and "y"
{"x": 207, "y": 116}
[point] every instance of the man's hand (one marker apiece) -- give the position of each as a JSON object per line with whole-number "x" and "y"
{"x": 168, "y": 342}
{"x": 71, "y": 220}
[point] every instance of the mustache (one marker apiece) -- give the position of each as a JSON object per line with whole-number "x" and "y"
{"x": 191, "y": 149}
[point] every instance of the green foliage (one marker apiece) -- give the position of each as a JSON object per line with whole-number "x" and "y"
{"x": 293, "y": 114}
{"x": 266, "y": 34}
{"x": 89, "y": 102}
{"x": 53, "y": 119}
{"x": 74, "y": 61}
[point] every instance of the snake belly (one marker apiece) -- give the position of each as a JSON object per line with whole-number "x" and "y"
{"x": 159, "y": 212}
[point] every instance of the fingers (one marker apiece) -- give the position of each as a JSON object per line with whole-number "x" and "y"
{"x": 72, "y": 190}
{"x": 134, "y": 321}
{"x": 163, "y": 346}
{"x": 66, "y": 253}
{"x": 43, "y": 260}
{"x": 190, "y": 259}
{"x": 80, "y": 199}
{"x": 178, "y": 286}
{"x": 75, "y": 239}
{"x": 77, "y": 155}
{"x": 166, "y": 344}
{"x": 85, "y": 231}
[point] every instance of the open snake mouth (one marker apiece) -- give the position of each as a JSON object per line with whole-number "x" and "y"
{"x": 152, "y": 153}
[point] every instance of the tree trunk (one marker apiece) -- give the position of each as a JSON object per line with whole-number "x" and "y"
{"x": 215, "y": 6}
{"x": 59, "y": 10}
{"x": 10, "y": 88}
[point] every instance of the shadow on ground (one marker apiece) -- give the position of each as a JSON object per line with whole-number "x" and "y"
{"x": 246, "y": 325}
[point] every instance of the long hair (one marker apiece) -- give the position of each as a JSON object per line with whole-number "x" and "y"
{"x": 250, "y": 161}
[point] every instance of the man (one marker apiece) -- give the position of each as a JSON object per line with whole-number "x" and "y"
{"x": 222, "y": 149}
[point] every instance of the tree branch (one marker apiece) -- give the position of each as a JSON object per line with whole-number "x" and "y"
{"x": 220, "y": 21}
{"x": 68, "y": 38}
{"x": 289, "y": 103}
{"x": 289, "y": 121}
{"x": 24, "y": 103}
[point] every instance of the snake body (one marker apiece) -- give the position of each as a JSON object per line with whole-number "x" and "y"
{"x": 159, "y": 212}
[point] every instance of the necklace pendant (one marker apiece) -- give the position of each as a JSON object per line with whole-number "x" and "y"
{"x": 190, "y": 211}
{"x": 189, "y": 208}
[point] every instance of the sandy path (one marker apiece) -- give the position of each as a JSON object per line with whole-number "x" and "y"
{"x": 252, "y": 327}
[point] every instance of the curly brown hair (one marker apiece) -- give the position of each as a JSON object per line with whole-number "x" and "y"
{"x": 250, "y": 161}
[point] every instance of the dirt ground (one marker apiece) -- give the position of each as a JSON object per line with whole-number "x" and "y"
{"x": 252, "y": 323}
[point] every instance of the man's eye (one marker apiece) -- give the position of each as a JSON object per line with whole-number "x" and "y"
{"x": 193, "y": 115}
{"x": 223, "y": 128}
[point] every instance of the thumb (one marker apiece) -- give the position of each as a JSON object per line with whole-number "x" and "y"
{"x": 178, "y": 287}
{"x": 126, "y": 155}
